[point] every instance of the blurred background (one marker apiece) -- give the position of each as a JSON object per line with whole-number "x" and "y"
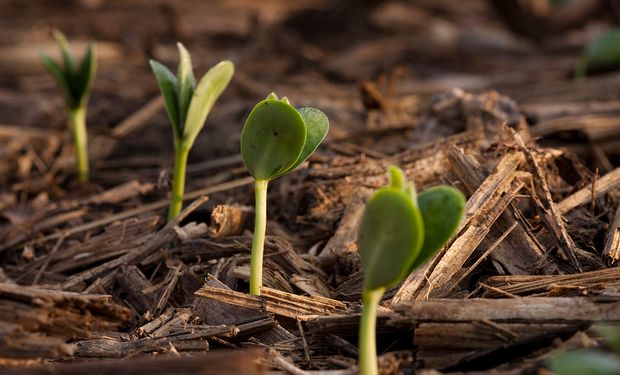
{"x": 368, "y": 64}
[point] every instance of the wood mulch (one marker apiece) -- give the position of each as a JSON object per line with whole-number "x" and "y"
{"x": 479, "y": 96}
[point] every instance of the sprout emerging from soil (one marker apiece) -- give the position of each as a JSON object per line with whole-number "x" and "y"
{"x": 75, "y": 80}
{"x": 188, "y": 106}
{"x": 400, "y": 231}
{"x": 602, "y": 53}
{"x": 275, "y": 139}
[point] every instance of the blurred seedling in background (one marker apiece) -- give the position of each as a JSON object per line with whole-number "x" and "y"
{"x": 188, "y": 106}
{"x": 588, "y": 361}
{"x": 276, "y": 138}
{"x": 601, "y": 53}
{"x": 75, "y": 80}
{"x": 400, "y": 230}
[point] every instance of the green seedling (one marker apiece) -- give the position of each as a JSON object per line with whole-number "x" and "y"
{"x": 188, "y": 104}
{"x": 275, "y": 139}
{"x": 75, "y": 80}
{"x": 602, "y": 53}
{"x": 590, "y": 361}
{"x": 400, "y": 230}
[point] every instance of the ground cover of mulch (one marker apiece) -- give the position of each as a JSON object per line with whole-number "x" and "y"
{"x": 480, "y": 96}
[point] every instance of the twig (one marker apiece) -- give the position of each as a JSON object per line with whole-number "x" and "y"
{"x": 303, "y": 340}
{"x": 603, "y": 185}
{"x": 37, "y": 277}
{"x": 611, "y": 251}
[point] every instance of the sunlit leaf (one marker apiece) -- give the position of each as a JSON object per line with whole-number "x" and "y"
{"x": 206, "y": 93}
{"x": 442, "y": 210}
{"x": 185, "y": 83}
{"x": 391, "y": 236}
{"x": 397, "y": 178}
{"x": 317, "y": 126}
{"x": 272, "y": 139}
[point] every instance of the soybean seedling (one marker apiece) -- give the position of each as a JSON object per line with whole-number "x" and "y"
{"x": 188, "y": 104}
{"x": 400, "y": 230}
{"x": 75, "y": 81}
{"x": 590, "y": 361}
{"x": 602, "y": 53}
{"x": 276, "y": 138}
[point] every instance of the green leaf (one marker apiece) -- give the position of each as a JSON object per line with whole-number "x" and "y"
{"x": 442, "y": 210}
{"x": 317, "y": 126}
{"x": 59, "y": 75}
{"x": 69, "y": 63}
{"x": 397, "y": 178}
{"x": 167, "y": 85}
{"x": 612, "y": 337}
{"x": 272, "y": 139}
{"x": 206, "y": 93}
{"x": 604, "y": 51}
{"x": 185, "y": 83}
{"x": 391, "y": 236}
{"x": 585, "y": 362}
{"x": 86, "y": 74}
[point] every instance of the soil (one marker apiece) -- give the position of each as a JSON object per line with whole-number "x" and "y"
{"x": 480, "y": 96}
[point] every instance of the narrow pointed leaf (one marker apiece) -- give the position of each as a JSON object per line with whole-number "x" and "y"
{"x": 59, "y": 75}
{"x": 69, "y": 63}
{"x": 391, "y": 236}
{"x": 272, "y": 139}
{"x": 185, "y": 83}
{"x": 317, "y": 126}
{"x": 86, "y": 74}
{"x": 442, "y": 211}
{"x": 206, "y": 93}
{"x": 167, "y": 85}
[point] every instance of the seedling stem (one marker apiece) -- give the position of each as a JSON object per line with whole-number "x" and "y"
{"x": 77, "y": 118}
{"x": 367, "y": 343}
{"x": 258, "y": 240}
{"x": 178, "y": 182}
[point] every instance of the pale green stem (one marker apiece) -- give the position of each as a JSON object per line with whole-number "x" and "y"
{"x": 258, "y": 241}
{"x": 367, "y": 335}
{"x": 178, "y": 182}
{"x": 77, "y": 118}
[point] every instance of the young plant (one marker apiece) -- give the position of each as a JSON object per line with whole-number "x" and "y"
{"x": 400, "y": 230}
{"x": 590, "y": 361}
{"x": 275, "y": 139}
{"x": 188, "y": 104}
{"x": 602, "y": 53}
{"x": 75, "y": 81}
